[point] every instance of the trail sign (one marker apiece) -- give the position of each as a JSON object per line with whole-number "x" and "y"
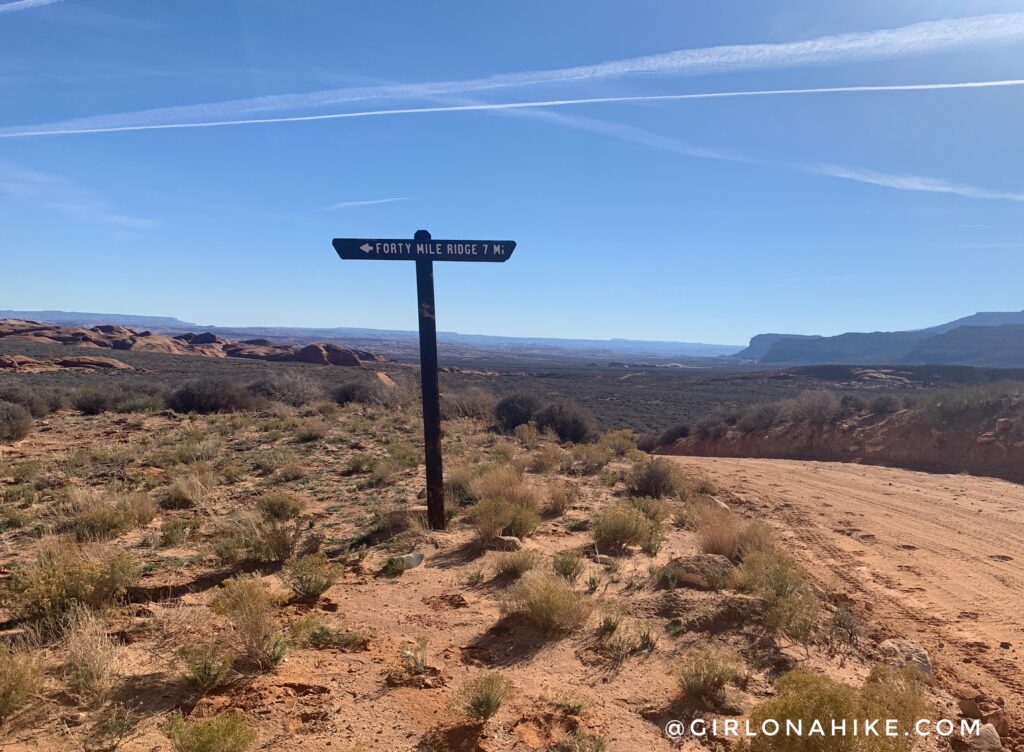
{"x": 424, "y": 251}
{"x": 419, "y": 250}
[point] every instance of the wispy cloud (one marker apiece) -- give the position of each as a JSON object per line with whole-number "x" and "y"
{"x": 917, "y": 39}
{"x": 65, "y": 196}
{"x": 911, "y": 182}
{"x": 367, "y": 202}
{"x": 69, "y": 128}
{"x": 25, "y": 5}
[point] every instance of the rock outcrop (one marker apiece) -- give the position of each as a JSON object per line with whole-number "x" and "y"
{"x": 207, "y": 344}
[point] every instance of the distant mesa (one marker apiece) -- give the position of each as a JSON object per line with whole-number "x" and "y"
{"x": 207, "y": 344}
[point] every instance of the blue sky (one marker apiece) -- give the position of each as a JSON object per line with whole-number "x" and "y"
{"x": 871, "y": 205}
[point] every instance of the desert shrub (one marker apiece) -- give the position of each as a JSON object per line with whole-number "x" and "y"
{"x": 711, "y": 427}
{"x": 264, "y": 539}
{"x": 313, "y": 631}
{"x": 971, "y": 405}
{"x": 15, "y": 421}
{"x": 656, "y": 478}
{"x": 457, "y": 485}
{"x": 546, "y": 459}
{"x": 568, "y": 421}
{"x": 618, "y": 527}
{"x": 804, "y": 696}
{"x": 206, "y": 396}
{"x": 548, "y": 603}
{"x": 851, "y": 404}
{"x": 362, "y": 463}
{"x": 38, "y": 402}
{"x": 672, "y": 434}
{"x": 496, "y": 516}
{"x": 656, "y": 510}
{"x": 290, "y": 387}
{"x": 760, "y": 417}
{"x": 561, "y": 496}
{"x": 312, "y": 429}
{"x": 207, "y": 666}
{"x": 310, "y": 576}
{"x": 514, "y": 565}
{"x": 279, "y": 506}
{"x": 137, "y": 396}
{"x": 483, "y": 696}
{"x": 619, "y": 442}
{"x": 568, "y": 565}
{"x": 705, "y": 672}
{"x": 468, "y": 403}
{"x": 405, "y": 454}
{"x": 176, "y": 530}
{"x": 21, "y": 677}
{"x": 515, "y": 410}
{"x": 249, "y": 605}
{"x": 817, "y": 406}
{"x": 885, "y": 404}
{"x": 791, "y": 608}
{"x": 589, "y": 459}
{"x": 360, "y": 393}
{"x": 91, "y": 658}
{"x": 65, "y": 576}
{"x": 225, "y": 732}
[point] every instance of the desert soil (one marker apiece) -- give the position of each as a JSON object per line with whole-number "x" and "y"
{"x": 938, "y": 559}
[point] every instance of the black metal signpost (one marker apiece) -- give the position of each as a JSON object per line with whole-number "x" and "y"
{"x": 424, "y": 250}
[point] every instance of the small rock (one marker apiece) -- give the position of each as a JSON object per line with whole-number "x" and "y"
{"x": 987, "y": 740}
{"x": 1003, "y": 424}
{"x": 901, "y": 653}
{"x": 998, "y": 720}
{"x": 405, "y": 561}
{"x": 506, "y": 543}
{"x": 1005, "y": 645}
{"x": 719, "y": 503}
{"x": 985, "y": 438}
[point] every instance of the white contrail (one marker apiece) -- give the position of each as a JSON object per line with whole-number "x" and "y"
{"x": 911, "y": 182}
{"x": 25, "y": 5}
{"x": 917, "y": 39}
{"x": 58, "y": 130}
{"x": 367, "y": 202}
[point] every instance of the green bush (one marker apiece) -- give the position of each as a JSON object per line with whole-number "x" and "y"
{"x": 655, "y": 479}
{"x": 225, "y": 732}
{"x": 515, "y": 410}
{"x": 673, "y": 434}
{"x": 616, "y": 528}
{"x": 483, "y": 697}
{"x": 39, "y": 402}
{"x": 310, "y": 576}
{"x": 15, "y": 421}
{"x": 705, "y": 672}
{"x": 569, "y": 421}
{"x": 760, "y": 417}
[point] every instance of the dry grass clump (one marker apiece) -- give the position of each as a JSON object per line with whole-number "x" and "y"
{"x": 207, "y": 666}
{"x": 578, "y": 741}
{"x": 225, "y": 732}
{"x": 93, "y": 515}
{"x": 250, "y": 606}
{"x": 313, "y": 631}
{"x": 561, "y": 498}
{"x": 527, "y": 435}
{"x": 176, "y": 530}
{"x": 457, "y": 482}
{"x": 482, "y": 697}
{"x": 618, "y": 527}
{"x": 724, "y": 533}
{"x": 589, "y": 459}
{"x": 705, "y": 672}
{"x": 514, "y": 565}
{"x": 313, "y": 429}
{"x": 803, "y": 696}
{"x": 21, "y": 676}
{"x": 188, "y": 490}
{"x": 473, "y": 402}
{"x": 655, "y": 479}
{"x": 548, "y": 603}
{"x": 65, "y": 575}
{"x": 310, "y": 576}
{"x": 91, "y": 659}
{"x": 504, "y": 482}
{"x": 547, "y": 458}
{"x": 206, "y": 396}
{"x": 620, "y": 442}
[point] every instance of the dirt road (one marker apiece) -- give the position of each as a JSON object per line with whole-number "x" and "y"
{"x": 935, "y": 558}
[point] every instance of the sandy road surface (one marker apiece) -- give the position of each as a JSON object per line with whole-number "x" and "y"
{"x": 936, "y": 558}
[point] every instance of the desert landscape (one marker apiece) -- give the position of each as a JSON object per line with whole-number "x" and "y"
{"x": 200, "y": 550}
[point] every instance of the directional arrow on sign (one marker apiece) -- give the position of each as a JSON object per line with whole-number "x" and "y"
{"x": 366, "y": 248}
